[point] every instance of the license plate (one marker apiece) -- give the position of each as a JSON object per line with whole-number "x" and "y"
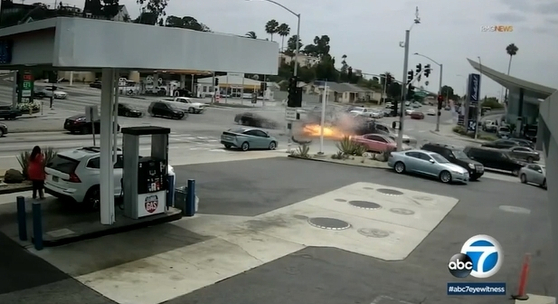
{"x": 55, "y": 178}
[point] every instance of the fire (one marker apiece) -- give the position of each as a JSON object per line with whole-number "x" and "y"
{"x": 315, "y": 130}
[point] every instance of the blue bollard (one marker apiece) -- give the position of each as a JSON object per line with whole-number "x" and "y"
{"x": 190, "y": 208}
{"x": 21, "y": 218}
{"x": 37, "y": 226}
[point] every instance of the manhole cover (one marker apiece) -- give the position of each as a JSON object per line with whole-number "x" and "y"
{"x": 515, "y": 209}
{"x": 340, "y": 200}
{"x": 300, "y": 217}
{"x": 368, "y": 188}
{"x": 389, "y": 191}
{"x": 402, "y": 211}
{"x": 328, "y": 223}
{"x": 372, "y": 232}
{"x": 423, "y": 198}
{"x": 365, "y": 205}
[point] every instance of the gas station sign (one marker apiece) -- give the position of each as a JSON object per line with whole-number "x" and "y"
{"x": 26, "y": 87}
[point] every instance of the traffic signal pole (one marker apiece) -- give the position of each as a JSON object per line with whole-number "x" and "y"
{"x": 403, "y": 91}
{"x": 440, "y": 93}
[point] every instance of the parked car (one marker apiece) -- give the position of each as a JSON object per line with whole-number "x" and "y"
{"x": 524, "y": 153}
{"x": 97, "y": 84}
{"x": 248, "y": 139}
{"x": 51, "y": 91}
{"x": 458, "y": 157}
{"x": 534, "y": 173}
{"x": 361, "y": 111}
{"x": 501, "y": 144}
{"x": 503, "y": 132}
{"x": 378, "y": 128}
{"x": 73, "y": 176}
{"x": 9, "y": 113}
{"x": 3, "y": 130}
{"x": 523, "y": 142}
{"x": 417, "y": 115}
{"x": 182, "y": 93}
{"x": 78, "y": 124}
{"x": 490, "y": 126}
{"x": 376, "y": 143}
{"x": 427, "y": 163}
{"x": 431, "y": 112}
{"x": 255, "y": 120}
{"x": 494, "y": 159}
{"x": 187, "y": 104}
{"x": 127, "y": 110}
{"x": 165, "y": 110}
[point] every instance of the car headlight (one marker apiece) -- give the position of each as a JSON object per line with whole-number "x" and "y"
{"x": 471, "y": 166}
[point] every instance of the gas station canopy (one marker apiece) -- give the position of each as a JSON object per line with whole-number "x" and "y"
{"x": 91, "y": 44}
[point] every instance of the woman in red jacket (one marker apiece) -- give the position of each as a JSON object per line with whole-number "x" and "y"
{"x": 36, "y": 172}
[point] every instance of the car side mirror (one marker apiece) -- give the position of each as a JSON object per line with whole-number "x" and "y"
{"x": 432, "y": 161}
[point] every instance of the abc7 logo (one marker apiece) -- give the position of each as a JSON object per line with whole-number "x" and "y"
{"x": 481, "y": 257}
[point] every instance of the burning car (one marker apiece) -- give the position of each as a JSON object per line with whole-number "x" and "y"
{"x": 255, "y": 120}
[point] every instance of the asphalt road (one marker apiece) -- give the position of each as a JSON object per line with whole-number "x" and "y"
{"x": 328, "y": 275}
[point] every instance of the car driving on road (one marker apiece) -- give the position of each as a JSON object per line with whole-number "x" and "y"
{"x": 248, "y": 139}
{"x": 165, "y": 110}
{"x": 79, "y": 124}
{"x": 458, "y": 157}
{"x": 427, "y": 163}
{"x": 3, "y": 130}
{"x": 255, "y": 120}
{"x": 524, "y": 153}
{"x": 533, "y": 173}
{"x": 494, "y": 159}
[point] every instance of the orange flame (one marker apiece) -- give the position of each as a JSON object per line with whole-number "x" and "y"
{"x": 330, "y": 132}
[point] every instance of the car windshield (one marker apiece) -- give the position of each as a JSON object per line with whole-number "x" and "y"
{"x": 439, "y": 159}
{"x": 459, "y": 154}
{"x": 504, "y": 129}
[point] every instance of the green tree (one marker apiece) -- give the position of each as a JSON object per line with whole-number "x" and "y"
{"x": 394, "y": 90}
{"x": 252, "y": 35}
{"x": 271, "y": 27}
{"x": 344, "y": 65}
{"x": 291, "y": 45}
{"x": 511, "y": 50}
{"x": 325, "y": 69}
{"x": 322, "y": 45}
{"x": 447, "y": 91}
{"x": 148, "y": 18}
{"x": 155, "y": 7}
{"x": 283, "y": 30}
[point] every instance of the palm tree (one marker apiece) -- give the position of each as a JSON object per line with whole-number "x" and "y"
{"x": 271, "y": 27}
{"x": 252, "y": 35}
{"x": 511, "y": 50}
{"x": 283, "y": 30}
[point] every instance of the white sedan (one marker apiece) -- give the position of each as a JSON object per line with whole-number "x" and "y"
{"x": 431, "y": 112}
{"x": 51, "y": 92}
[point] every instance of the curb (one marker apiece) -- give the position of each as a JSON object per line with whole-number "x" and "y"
{"x": 16, "y": 190}
{"x": 325, "y": 160}
{"x": 53, "y": 132}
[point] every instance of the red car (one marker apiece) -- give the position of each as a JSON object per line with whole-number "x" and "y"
{"x": 417, "y": 115}
{"x": 376, "y": 142}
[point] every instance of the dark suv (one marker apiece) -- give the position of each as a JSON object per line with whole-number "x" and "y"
{"x": 458, "y": 157}
{"x": 494, "y": 159}
{"x": 165, "y": 110}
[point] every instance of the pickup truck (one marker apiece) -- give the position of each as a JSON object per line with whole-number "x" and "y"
{"x": 187, "y": 104}
{"x": 9, "y": 113}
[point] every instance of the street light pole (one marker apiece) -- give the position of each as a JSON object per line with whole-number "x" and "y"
{"x": 477, "y": 114}
{"x": 403, "y": 91}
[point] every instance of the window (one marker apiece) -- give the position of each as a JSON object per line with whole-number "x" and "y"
{"x": 412, "y": 154}
{"x": 440, "y": 159}
{"x": 534, "y": 167}
{"x": 119, "y": 162}
{"x": 424, "y": 156}
{"x": 382, "y": 128}
{"x": 520, "y": 150}
{"x": 94, "y": 163}
{"x": 377, "y": 138}
{"x": 63, "y": 164}
{"x": 459, "y": 154}
{"x": 259, "y": 133}
{"x": 250, "y": 132}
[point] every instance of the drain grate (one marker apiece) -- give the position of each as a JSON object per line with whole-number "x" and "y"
{"x": 374, "y": 233}
{"x": 402, "y": 211}
{"x": 340, "y": 200}
{"x": 368, "y": 188}
{"x": 328, "y": 223}
{"x": 365, "y": 205}
{"x": 391, "y": 192}
{"x": 300, "y": 217}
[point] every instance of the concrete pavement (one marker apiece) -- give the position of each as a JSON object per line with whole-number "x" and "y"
{"x": 254, "y": 223}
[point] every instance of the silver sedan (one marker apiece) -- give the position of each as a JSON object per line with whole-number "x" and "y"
{"x": 429, "y": 164}
{"x": 535, "y": 174}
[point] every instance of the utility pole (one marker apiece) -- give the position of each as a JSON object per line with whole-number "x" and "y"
{"x": 477, "y": 114}
{"x": 440, "y": 92}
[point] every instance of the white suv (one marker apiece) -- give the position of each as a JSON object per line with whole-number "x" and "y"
{"x": 73, "y": 175}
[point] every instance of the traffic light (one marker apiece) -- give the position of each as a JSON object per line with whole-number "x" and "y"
{"x": 427, "y": 70}
{"x": 410, "y": 76}
{"x": 411, "y": 92}
{"x": 440, "y": 101}
{"x": 419, "y": 69}
{"x": 292, "y": 99}
{"x": 216, "y": 81}
{"x": 394, "y": 108}
{"x": 263, "y": 86}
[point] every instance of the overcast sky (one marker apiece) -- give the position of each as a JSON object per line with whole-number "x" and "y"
{"x": 369, "y": 32}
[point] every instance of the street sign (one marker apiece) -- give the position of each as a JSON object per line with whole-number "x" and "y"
{"x": 474, "y": 89}
{"x": 91, "y": 114}
{"x": 27, "y": 84}
{"x": 472, "y": 125}
{"x": 290, "y": 114}
{"x": 241, "y": 75}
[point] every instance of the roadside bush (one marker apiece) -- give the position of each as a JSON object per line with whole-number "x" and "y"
{"x": 348, "y": 147}
{"x": 23, "y": 158}
{"x": 487, "y": 137}
{"x": 24, "y": 107}
{"x": 460, "y": 130}
{"x": 302, "y": 151}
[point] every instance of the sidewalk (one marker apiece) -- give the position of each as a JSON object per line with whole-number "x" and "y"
{"x": 447, "y": 131}
{"x": 50, "y": 120}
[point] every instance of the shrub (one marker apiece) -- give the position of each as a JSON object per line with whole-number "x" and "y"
{"x": 24, "y": 107}
{"x": 23, "y": 158}
{"x": 302, "y": 151}
{"x": 487, "y": 137}
{"x": 348, "y": 147}
{"x": 460, "y": 130}
{"x": 338, "y": 155}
